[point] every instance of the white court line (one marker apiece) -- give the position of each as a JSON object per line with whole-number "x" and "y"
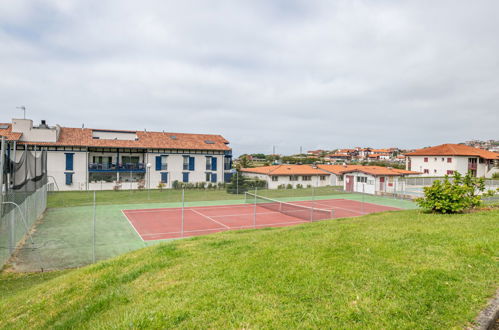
{"x": 207, "y": 217}
{"x": 131, "y": 224}
{"x": 342, "y": 208}
{"x": 230, "y": 228}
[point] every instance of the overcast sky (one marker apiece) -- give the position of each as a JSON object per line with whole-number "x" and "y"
{"x": 316, "y": 74}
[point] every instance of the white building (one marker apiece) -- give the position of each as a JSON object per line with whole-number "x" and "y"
{"x": 283, "y": 175}
{"x": 374, "y": 180}
{"x": 446, "y": 159}
{"x": 88, "y": 159}
{"x": 336, "y": 172}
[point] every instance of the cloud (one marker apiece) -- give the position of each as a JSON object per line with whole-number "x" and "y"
{"x": 287, "y": 73}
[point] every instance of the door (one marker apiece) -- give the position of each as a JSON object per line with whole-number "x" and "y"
{"x": 349, "y": 183}
{"x": 382, "y": 183}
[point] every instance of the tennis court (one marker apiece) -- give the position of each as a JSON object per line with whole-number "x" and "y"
{"x": 168, "y": 223}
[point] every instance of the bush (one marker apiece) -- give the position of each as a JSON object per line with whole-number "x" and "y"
{"x": 454, "y": 196}
{"x": 299, "y": 186}
{"x": 161, "y": 185}
{"x": 495, "y": 175}
{"x": 281, "y": 186}
{"x": 289, "y": 186}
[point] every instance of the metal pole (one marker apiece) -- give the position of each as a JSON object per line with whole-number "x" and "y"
{"x": 183, "y": 205}
{"x": 237, "y": 183}
{"x": 363, "y": 192}
{"x": 254, "y": 210}
{"x": 2, "y": 151}
{"x": 148, "y": 182}
{"x": 93, "y": 237}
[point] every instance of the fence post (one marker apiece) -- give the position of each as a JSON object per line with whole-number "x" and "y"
{"x": 254, "y": 209}
{"x": 183, "y": 205}
{"x": 93, "y": 235}
{"x": 2, "y": 154}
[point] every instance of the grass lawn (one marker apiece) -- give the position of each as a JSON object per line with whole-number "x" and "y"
{"x": 400, "y": 270}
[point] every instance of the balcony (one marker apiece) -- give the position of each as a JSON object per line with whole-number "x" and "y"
{"x": 117, "y": 167}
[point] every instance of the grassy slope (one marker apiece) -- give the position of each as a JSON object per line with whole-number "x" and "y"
{"x": 389, "y": 270}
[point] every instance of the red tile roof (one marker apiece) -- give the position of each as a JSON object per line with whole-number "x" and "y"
{"x": 152, "y": 140}
{"x": 454, "y": 150}
{"x": 380, "y": 170}
{"x": 7, "y": 132}
{"x": 338, "y": 169}
{"x": 285, "y": 170}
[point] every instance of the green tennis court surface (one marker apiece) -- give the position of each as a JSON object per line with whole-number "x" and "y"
{"x": 64, "y": 237}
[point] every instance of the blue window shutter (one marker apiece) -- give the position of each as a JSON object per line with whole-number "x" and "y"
{"x": 158, "y": 163}
{"x": 164, "y": 177}
{"x": 69, "y": 178}
{"x": 69, "y": 162}
{"x": 185, "y": 177}
{"x": 213, "y": 164}
{"x": 191, "y": 163}
{"x": 213, "y": 177}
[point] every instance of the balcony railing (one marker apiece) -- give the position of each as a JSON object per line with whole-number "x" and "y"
{"x": 116, "y": 167}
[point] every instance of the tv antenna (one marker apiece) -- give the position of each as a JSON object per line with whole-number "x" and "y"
{"x": 23, "y": 108}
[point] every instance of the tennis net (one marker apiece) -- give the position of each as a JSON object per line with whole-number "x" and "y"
{"x": 294, "y": 210}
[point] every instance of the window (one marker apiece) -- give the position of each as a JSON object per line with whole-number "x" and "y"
{"x": 164, "y": 177}
{"x": 275, "y": 178}
{"x": 362, "y": 179}
{"x": 208, "y": 176}
{"x": 185, "y": 177}
{"x": 449, "y": 172}
{"x": 443, "y": 159}
{"x": 449, "y": 160}
{"x": 426, "y": 159}
{"x": 426, "y": 171}
{"x": 186, "y": 163}
{"x": 435, "y": 159}
{"x": 208, "y": 164}
{"x": 322, "y": 177}
{"x": 161, "y": 162}
{"x": 434, "y": 171}
{"x": 293, "y": 177}
{"x": 306, "y": 177}
{"x": 69, "y": 162}
{"x": 130, "y": 159}
{"x": 227, "y": 163}
{"x": 69, "y": 178}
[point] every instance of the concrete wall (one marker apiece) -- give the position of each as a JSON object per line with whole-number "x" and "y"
{"x": 31, "y": 133}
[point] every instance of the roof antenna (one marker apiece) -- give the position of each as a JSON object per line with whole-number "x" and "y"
{"x": 23, "y": 108}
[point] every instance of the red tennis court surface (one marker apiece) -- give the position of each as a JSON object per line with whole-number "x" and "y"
{"x": 166, "y": 223}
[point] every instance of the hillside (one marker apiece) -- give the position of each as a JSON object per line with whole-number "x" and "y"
{"x": 390, "y": 270}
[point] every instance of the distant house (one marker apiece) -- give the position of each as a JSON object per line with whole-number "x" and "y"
{"x": 278, "y": 175}
{"x": 337, "y": 157}
{"x": 374, "y": 179}
{"x": 446, "y": 159}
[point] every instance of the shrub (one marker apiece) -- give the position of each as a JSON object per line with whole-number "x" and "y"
{"x": 495, "y": 175}
{"x": 454, "y": 196}
{"x": 161, "y": 185}
{"x": 299, "y": 186}
{"x": 289, "y": 186}
{"x": 281, "y": 186}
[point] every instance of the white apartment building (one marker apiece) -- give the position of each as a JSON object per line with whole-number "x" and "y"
{"x": 283, "y": 175}
{"x": 95, "y": 159}
{"x": 446, "y": 159}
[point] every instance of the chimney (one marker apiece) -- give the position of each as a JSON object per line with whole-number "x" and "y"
{"x": 43, "y": 124}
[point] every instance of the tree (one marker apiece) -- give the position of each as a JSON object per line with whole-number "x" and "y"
{"x": 454, "y": 196}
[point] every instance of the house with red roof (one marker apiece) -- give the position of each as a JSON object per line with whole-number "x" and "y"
{"x": 287, "y": 174}
{"x": 446, "y": 159}
{"x": 376, "y": 180}
{"x": 88, "y": 159}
